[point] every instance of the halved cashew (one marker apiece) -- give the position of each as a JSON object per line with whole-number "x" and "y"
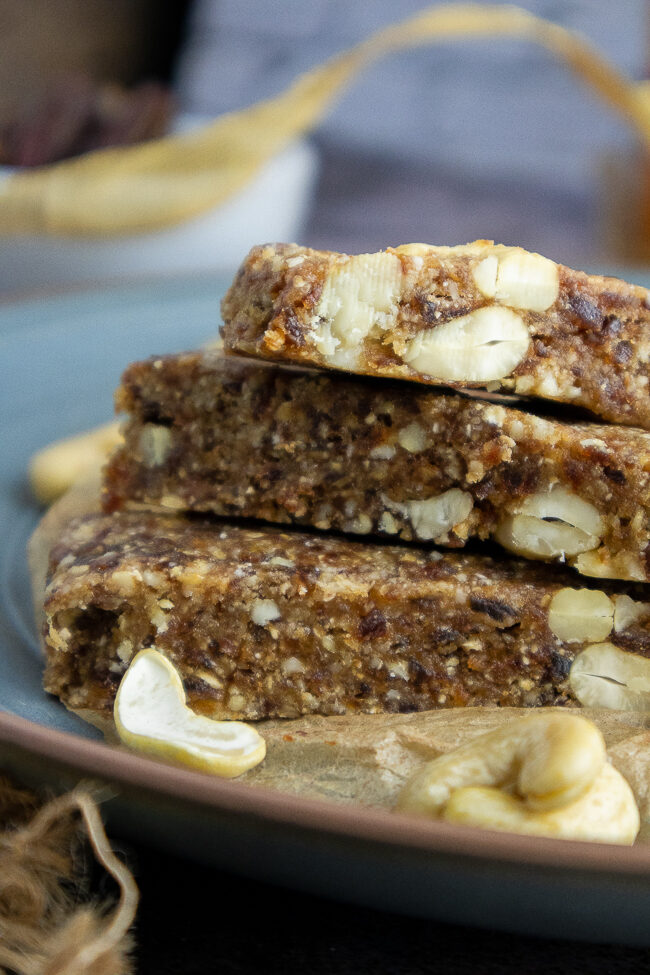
{"x": 518, "y": 278}
{"x": 602, "y": 676}
{"x": 546, "y": 774}
{"x": 56, "y": 468}
{"x": 580, "y": 615}
{"x": 551, "y": 524}
{"x": 151, "y": 716}
{"x": 358, "y": 295}
{"x": 480, "y": 347}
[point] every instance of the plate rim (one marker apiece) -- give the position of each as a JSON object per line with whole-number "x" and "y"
{"x": 97, "y": 759}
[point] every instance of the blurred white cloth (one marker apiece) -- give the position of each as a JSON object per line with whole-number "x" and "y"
{"x": 445, "y": 143}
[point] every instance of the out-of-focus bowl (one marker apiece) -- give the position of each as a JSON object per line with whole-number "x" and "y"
{"x": 273, "y": 207}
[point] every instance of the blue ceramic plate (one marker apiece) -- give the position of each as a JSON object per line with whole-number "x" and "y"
{"x": 60, "y": 360}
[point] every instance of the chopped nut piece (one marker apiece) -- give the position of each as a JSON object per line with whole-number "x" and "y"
{"x": 155, "y": 443}
{"x": 292, "y": 666}
{"x": 388, "y": 524}
{"x": 361, "y": 525}
{"x": 433, "y": 517}
{"x": 264, "y": 611}
{"x": 628, "y": 611}
{"x": 412, "y": 438}
{"x": 602, "y": 564}
{"x": 384, "y": 452}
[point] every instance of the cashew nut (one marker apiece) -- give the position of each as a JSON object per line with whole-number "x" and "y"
{"x": 151, "y": 716}
{"x": 56, "y": 468}
{"x": 551, "y": 524}
{"x": 155, "y": 444}
{"x": 519, "y": 279}
{"x": 485, "y": 345}
{"x": 607, "y": 812}
{"x": 627, "y": 612}
{"x": 546, "y": 774}
{"x": 358, "y": 296}
{"x": 603, "y": 676}
{"x": 434, "y": 517}
{"x": 581, "y": 615}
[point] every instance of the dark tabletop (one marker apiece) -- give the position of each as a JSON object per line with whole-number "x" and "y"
{"x": 196, "y": 919}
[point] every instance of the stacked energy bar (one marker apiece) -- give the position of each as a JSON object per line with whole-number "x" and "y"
{"x": 359, "y": 602}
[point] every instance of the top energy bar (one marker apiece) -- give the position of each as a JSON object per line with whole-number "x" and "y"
{"x": 479, "y": 315}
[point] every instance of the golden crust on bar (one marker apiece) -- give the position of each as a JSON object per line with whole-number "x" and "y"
{"x": 480, "y": 315}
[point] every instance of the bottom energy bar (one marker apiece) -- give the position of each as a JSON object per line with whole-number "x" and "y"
{"x": 262, "y": 623}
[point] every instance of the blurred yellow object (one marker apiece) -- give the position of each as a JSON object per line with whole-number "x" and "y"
{"x": 56, "y": 468}
{"x": 105, "y": 193}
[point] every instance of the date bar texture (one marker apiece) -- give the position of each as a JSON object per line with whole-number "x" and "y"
{"x": 262, "y": 623}
{"x": 236, "y": 437}
{"x": 479, "y": 314}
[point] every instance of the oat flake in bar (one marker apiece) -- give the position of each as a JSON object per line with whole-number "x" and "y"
{"x": 236, "y": 437}
{"x": 475, "y": 315}
{"x": 269, "y": 624}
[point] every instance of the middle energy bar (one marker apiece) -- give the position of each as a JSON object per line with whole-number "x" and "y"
{"x": 236, "y": 437}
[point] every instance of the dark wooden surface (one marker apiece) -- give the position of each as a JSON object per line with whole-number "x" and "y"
{"x": 195, "y": 920}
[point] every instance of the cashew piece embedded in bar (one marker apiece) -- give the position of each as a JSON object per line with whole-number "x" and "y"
{"x": 603, "y": 676}
{"x": 575, "y": 525}
{"x": 517, "y": 278}
{"x": 480, "y": 347}
{"x": 605, "y": 564}
{"x": 433, "y": 517}
{"x": 628, "y": 611}
{"x": 358, "y": 296}
{"x": 525, "y": 777}
{"x": 581, "y": 615}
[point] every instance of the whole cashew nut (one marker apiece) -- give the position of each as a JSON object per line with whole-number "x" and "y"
{"x": 545, "y": 774}
{"x": 55, "y": 468}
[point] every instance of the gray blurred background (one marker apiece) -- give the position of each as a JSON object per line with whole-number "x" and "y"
{"x": 442, "y": 144}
